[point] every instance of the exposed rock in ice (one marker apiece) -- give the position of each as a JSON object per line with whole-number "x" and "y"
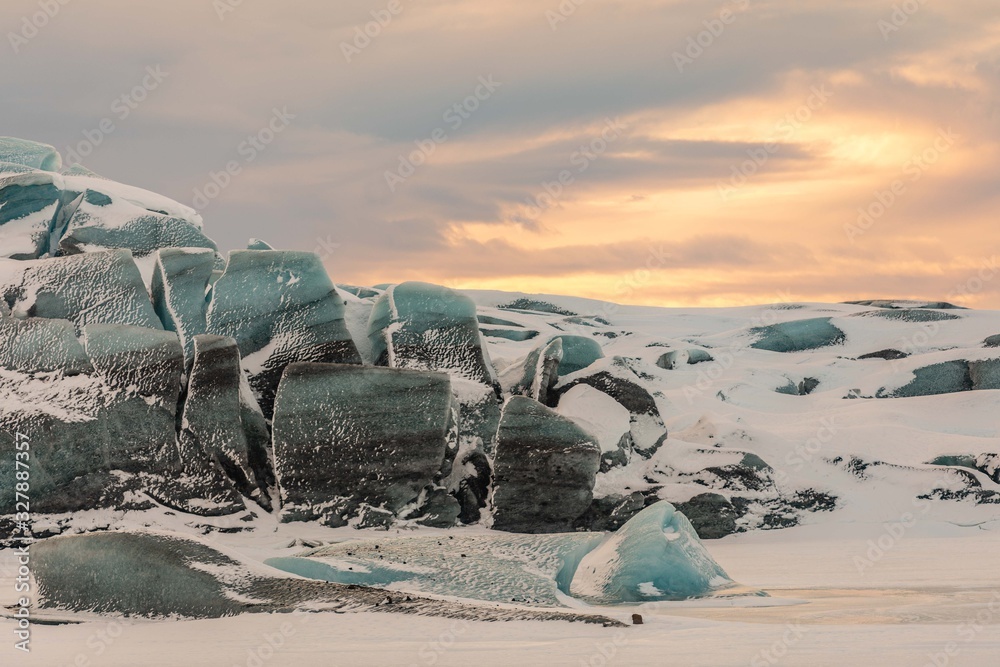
{"x": 281, "y": 307}
{"x": 544, "y": 469}
{"x": 94, "y": 288}
{"x": 655, "y": 556}
{"x": 179, "y": 288}
{"x": 612, "y": 512}
{"x": 887, "y": 354}
{"x": 604, "y": 418}
{"x": 517, "y": 335}
{"x": 30, "y": 154}
{"x": 797, "y": 335}
{"x": 711, "y": 515}
{"x": 992, "y": 341}
{"x": 427, "y": 327}
{"x": 391, "y": 437}
{"x": 615, "y": 378}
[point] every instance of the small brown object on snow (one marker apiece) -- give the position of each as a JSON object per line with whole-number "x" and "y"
{"x": 636, "y": 619}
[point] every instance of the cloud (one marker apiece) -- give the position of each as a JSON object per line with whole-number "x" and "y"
{"x": 465, "y": 217}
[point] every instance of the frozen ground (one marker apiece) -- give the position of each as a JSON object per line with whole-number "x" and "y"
{"x": 935, "y": 589}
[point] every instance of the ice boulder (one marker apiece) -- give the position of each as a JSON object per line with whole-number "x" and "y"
{"x": 655, "y": 556}
{"x": 579, "y": 352}
{"x": 139, "y": 574}
{"x": 345, "y": 435}
{"x": 103, "y": 221}
{"x": 943, "y": 378}
{"x": 615, "y": 378}
{"x": 427, "y": 327}
{"x": 257, "y": 244}
{"x": 281, "y": 308}
{"x": 536, "y": 374}
{"x": 93, "y": 446}
{"x": 147, "y": 362}
{"x": 544, "y": 470}
{"x": 78, "y": 181}
{"x": 604, "y": 418}
{"x": 985, "y": 374}
{"x": 530, "y": 570}
{"x": 95, "y": 288}
{"x": 29, "y": 205}
{"x": 180, "y": 292}
{"x": 160, "y": 575}
{"x": 38, "y": 345}
{"x": 797, "y": 335}
{"x": 212, "y": 417}
{"x": 29, "y": 154}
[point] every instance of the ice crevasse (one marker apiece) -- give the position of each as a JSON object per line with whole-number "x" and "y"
{"x": 656, "y": 556}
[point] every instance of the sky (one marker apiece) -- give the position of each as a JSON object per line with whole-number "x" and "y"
{"x": 662, "y": 152}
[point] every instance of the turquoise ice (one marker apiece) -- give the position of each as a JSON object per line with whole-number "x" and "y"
{"x": 655, "y": 556}
{"x": 432, "y": 328}
{"x": 179, "y": 288}
{"x": 29, "y": 205}
{"x": 281, "y": 307}
{"x": 30, "y": 154}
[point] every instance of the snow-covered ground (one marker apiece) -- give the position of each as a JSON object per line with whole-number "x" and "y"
{"x": 887, "y": 576}
{"x": 935, "y": 590}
